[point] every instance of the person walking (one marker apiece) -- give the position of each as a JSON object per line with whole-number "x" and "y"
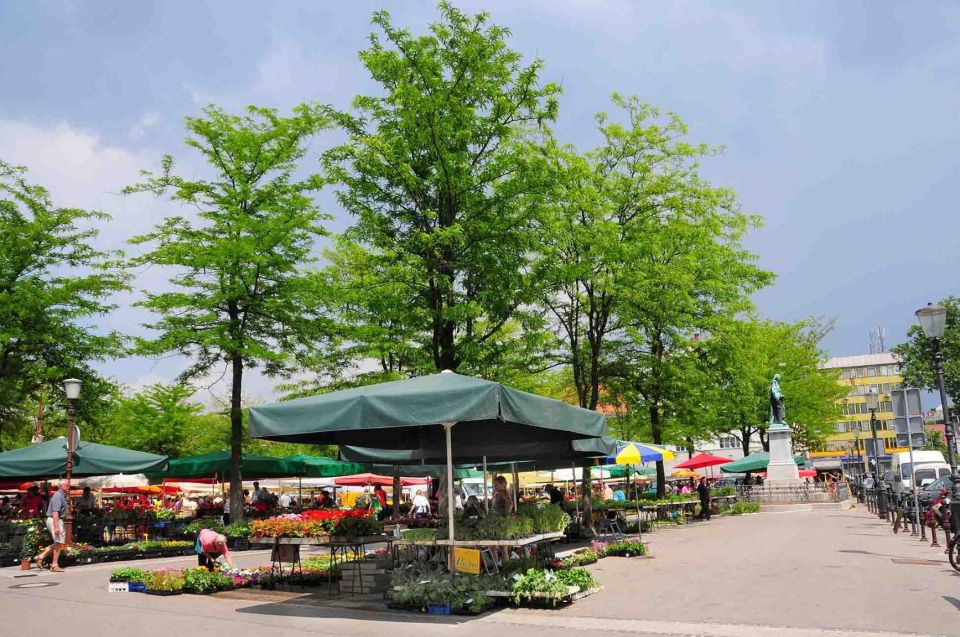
{"x": 56, "y": 514}
{"x": 703, "y": 490}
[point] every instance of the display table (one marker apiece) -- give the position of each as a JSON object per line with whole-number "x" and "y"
{"x": 486, "y": 547}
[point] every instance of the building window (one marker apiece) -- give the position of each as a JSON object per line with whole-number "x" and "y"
{"x": 728, "y": 442}
{"x": 841, "y": 427}
{"x": 849, "y": 372}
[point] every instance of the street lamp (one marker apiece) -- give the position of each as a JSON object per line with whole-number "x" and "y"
{"x": 71, "y": 388}
{"x": 873, "y": 404}
{"x": 933, "y": 320}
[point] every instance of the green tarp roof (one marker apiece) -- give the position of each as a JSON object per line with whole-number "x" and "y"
{"x": 406, "y": 414}
{"x": 217, "y": 463}
{"x": 620, "y": 470}
{"x": 49, "y": 459}
{"x": 753, "y": 462}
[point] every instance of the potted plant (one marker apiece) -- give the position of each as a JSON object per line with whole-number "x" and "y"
{"x": 164, "y": 582}
{"x": 30, "y": 546}
{"x": 127, "y": 574}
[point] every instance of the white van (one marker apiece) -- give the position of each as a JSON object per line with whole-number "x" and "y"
{"x": 930, "y": 466}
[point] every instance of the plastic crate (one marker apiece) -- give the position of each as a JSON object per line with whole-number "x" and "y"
{"x": 438, "y": 609}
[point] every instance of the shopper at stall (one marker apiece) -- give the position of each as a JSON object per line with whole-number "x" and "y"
{"x": 703, "y": 491}
{"x": 209, "y": 546}
{"x": 555, "y": 496}
{"x": 32, "y": 504}
{"x": 502, "y": 502}
{"x": 421, "y": 505}
{"x": 87, "y": 501}
{"x": 56, "y": 514}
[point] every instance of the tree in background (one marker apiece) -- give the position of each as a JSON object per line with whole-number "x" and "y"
{"x": 742, "y": 357}
{"x": 241, "y": 296}
{"x": 916, "y": 354}
{"x": 445, "y": 181}
{"x": 685, "y": 274}
{"x": 53, "y": 286}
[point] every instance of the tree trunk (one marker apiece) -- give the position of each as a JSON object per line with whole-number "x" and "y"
{"x": 764, "y": 441}
{"x": 397, "y": 492}
{"x": 236, "y": 441}
{"x": 586, "y": 521}
{"x": 745, "y": 434}
{"x": 656, "y": 431}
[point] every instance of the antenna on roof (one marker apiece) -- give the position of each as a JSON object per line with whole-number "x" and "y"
{"x": 877, "y": 337}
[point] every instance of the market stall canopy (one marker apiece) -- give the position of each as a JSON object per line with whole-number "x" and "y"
{"x": 428, "y": 470}
{"x": 365, "y": 479}
{"x": 754, "y": 462}
{"x": 115, "y": 481}
{"x": 407, "y": 414}
{"x": 555, "y": 454}
{"x": 628, "y": 452}
{"x": 217, "y": 463}
{"x": 702, "y": 460}
{"x": 621, "y": 471}
{"x": 323, "y": 467}
{"x": 49, "y": 459}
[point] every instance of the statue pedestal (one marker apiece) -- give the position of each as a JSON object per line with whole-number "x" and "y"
{"x": 782, "y": 471}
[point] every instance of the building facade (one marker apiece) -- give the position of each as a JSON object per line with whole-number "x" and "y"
{"x": 858, "y": 374}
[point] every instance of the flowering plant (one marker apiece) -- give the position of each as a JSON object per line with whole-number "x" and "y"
{"x": 312, "y": 523}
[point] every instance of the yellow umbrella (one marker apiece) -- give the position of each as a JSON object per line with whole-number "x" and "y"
{"x": 685, "y": 473}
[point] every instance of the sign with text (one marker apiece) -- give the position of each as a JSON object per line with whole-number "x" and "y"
{"x": 467, "y": 560}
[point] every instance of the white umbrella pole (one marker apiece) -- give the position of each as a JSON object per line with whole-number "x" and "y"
{"x": 636, "y": 498}
{"x": 576, "y": 500}
{"x": 448, "y": 427}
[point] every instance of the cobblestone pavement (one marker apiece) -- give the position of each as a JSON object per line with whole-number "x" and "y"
{"x": 775, "y": 574}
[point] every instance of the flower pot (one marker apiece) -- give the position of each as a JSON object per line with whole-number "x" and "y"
{"x": 25, "y": 565}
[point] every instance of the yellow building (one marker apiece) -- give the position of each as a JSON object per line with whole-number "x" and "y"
{"x": 859, "y": 374}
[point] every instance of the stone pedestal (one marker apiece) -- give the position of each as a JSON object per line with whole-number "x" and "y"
{"x": 782, "y": 470}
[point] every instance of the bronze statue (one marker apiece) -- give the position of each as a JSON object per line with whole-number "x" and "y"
{"x": 778, "y": 413}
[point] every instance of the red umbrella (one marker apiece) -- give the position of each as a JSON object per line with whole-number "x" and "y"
{"x": 364, "y": 479}
{"x": 808, "y": 473}
{"x": 702, "y": 460}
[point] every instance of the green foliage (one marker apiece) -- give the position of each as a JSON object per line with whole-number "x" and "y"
{"x": 54, "y": 287}
{"x": 135, "y": 575}
{"x": 739, "y": 508}
{"x": 418, "y": 585}
{"x": 350, "y": 527}
{"x": 626, "y": 548}
{"x": 200, "y": 581}
{"x": 30, "y": 543}
{"x": 546, "y": 519}
{"x": 420, "y": 534}
{"x": 241, "y": 295}
{"x": 238, "y": 530}
{"x": 935, "y": 443}
{"x": 537, "y": 581}
{"x": 719, "y": 492}
{"x": 580, "y": 558}
{"x": 916, "y": 354}
{"x": 579, "y": 577}
{"x": 444, "y": 178}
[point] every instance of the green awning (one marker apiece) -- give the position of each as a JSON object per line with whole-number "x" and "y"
{"x": 323, "y": 467}
{"x": 753, "y": 462}
{"x": 217, "y": 463}
{"x": 49, "y": 459}
{"x": 621, "y": 470}
{"x": 552, "y": 454}
{"x": 428, "y": 470}
{"x": 407, "y": 414}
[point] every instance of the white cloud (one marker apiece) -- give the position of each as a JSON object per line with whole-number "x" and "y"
{"x": 143, "y": 126}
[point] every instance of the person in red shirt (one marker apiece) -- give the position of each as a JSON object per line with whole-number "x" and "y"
{"x": 32, "y": 503}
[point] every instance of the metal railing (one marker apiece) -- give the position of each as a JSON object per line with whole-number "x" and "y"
{"x": 801, "y": 493}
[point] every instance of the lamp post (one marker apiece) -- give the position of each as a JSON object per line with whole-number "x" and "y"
{"x": 71, "y": 388}
{"x": 933, "y": 320}
{"x": 873, "y": 404}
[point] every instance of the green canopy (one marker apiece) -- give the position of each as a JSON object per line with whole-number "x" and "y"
{"x": 323, "y": 467}
{"x": 217, "y": 463}
{"x": 428, "y": 470}
{"x": 407, "y": 414}
{"x": 753, "y": 462}
{"x": 49, "y": 459}
{"x": 620, "y": 470}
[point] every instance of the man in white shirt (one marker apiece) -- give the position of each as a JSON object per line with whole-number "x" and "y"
{"x": 284, "y": 500}
{"x": 421, "y": 505}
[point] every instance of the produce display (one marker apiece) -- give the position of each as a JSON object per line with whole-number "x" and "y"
{"x": 319, "y": 523}
{"x": 529, "y": 520}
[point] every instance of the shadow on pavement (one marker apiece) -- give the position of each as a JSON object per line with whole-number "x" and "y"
{"x": 364, "y": 609}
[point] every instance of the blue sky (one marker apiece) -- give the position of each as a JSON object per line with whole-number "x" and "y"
{"x": 841, "y": 120}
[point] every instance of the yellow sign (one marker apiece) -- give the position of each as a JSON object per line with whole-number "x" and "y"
{"x": 467, "y": 560}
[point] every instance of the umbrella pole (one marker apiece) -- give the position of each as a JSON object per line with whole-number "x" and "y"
{"x": 516, "y": 486}
{"x": 486, "y": 506}
{"x": 300, "y": 491}
{"x": 448, "y": 427}
{"x": 576, "y": 500}
{"x": 636, "y": 499}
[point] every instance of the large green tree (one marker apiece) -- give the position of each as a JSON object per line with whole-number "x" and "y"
{"x": 686, "y": 273}
{"x": 241, "y": 296}
{"x": 54, "y": 286}
{"x": 444, "y": 176}
{"x": 916, "y": 354}
{"x": 742, "y": 357}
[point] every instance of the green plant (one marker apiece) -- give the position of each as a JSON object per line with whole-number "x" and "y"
{"x": 201, "y": 581}
{"x": 739, "y": 508}
{"x": 537, "y": 583}
{"x": 579, "y": 577}
{"x": 351, "y": 527}
{"x": 627, "y": 548}
{"x": 129, "y": 574}
{"x": 723, "y": 491}
{"x": 419, "y": 535}
{"x": 584, "y": 556}
{"x": 206, "y": 523}
{"x": 30, "y": 544}
{"x": 164, "y": 581}
{"x": 238, "y": 530}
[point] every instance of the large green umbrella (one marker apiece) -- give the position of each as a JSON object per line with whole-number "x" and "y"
{"x": 425, "y": 413}
{"x": 621, "y": 470}
{"x": 753, "y": 462}
{"x": 49, "y": 459}
{"x": 217, "y": 463}
{"x": 323, "y": 467}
